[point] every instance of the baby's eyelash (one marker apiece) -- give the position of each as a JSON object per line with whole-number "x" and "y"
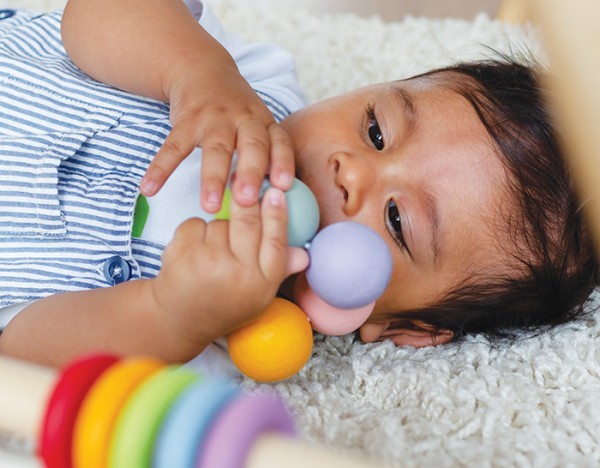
{"x": 373, "y": 130}
{"x": 394, "y": 223}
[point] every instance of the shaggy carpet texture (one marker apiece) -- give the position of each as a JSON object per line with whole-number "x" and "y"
{"x": 530, "y": 403}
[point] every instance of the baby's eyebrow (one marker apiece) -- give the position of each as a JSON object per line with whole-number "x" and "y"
{"x": 433, "y": 218}
{"x": 405, "y": 100}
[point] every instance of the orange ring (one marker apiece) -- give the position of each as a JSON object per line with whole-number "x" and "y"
{"x": 99, "y": 411}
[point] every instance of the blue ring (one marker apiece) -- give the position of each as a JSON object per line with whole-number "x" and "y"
{"x": 5, "y": 14}
{"x": 185, "y": 427}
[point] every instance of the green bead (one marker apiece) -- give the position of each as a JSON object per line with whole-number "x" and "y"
{"x": 303, "y": 211}
{"x": 223, "y": 213}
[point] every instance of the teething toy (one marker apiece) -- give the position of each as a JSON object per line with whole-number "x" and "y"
{"x": 324, "y": 317}
{"x": 350, "y": 268}
{"x": 303, "y": 211}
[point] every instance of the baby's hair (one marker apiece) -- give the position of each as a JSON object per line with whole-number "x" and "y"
{"x": 554, "y": 268}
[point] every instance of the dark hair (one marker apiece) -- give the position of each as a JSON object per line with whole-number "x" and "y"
{"x": 556, "y": 269}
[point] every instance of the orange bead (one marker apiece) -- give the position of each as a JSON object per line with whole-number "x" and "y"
{"x": 275, "y": 346}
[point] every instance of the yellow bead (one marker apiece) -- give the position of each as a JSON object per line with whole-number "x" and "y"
{"x": 275, "y": 346}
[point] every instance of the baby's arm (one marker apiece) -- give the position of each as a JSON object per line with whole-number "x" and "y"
{"x": 215, "y": 277}
{"x": 121, "y": 319}
{"x": 157, "y": 49}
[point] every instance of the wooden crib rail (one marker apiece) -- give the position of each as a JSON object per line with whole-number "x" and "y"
{"x": 572, "y": 38}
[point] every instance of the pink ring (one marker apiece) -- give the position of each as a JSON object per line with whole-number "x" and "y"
{"x": 238, "y": 427}
{"x": 63, "y": 406}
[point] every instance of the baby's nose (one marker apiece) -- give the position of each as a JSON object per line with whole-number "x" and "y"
{"x": 353, "y": 177}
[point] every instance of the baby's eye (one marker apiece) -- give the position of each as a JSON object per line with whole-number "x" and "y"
{"x": 394, "y": 223}
{"x": 376, "y": 136}
{"x": 374, "y": 131}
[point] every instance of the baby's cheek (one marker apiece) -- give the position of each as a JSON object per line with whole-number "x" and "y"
{"x": 400, "y": 292}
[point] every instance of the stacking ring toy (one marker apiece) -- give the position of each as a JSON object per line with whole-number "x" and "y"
{"x": 231, "y": 431}
{"x": 101, "y": 406}
{"x": 239, "y": 425}
{"x": 184, "y": 429}
{"x": 63, "y": 407}
{"x": 139, "y": 422}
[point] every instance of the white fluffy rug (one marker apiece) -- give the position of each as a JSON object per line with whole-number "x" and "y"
{"x": 534, "y": 403}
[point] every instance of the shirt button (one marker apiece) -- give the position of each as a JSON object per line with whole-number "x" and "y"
{"x": 116, "y": 270}
{"x": 4, "y": 14}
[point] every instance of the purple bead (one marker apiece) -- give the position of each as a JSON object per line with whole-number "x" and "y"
{"x": 350, "y": 265}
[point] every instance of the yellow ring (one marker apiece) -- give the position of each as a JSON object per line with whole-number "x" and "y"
{"x": 101, "y": 406}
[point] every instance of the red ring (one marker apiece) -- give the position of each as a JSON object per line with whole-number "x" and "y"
{"x": 57, "y": 428}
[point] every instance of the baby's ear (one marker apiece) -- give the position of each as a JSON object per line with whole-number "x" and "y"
{"x": 414, "y": 333}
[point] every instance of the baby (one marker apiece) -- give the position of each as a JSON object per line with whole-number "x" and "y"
{"x": 457, "y": 169}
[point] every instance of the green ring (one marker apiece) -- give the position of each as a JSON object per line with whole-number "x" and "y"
{"x": 138, "y": 424}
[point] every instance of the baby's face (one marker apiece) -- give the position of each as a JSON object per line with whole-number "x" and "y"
{"x": 413, "y": 161}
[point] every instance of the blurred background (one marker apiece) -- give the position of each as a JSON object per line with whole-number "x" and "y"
{"x": 389, "y": 10}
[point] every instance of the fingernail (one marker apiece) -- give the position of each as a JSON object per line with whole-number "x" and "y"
{"x": 148, "y": 186}
{"x": 249, "y": 192}
{"x": 285, "y": 178}
{"x": 276, "y": 197}
{"x": 213, "y": 199}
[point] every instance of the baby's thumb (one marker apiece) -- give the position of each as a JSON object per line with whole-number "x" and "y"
{"x": 297, "y": 261}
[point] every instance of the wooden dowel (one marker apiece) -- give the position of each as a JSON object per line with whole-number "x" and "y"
{"x": 572, "y": 37}
{"x": 275, "y": 451}
{"x": 24, "y": 392}
{"x": 514, "y": 11}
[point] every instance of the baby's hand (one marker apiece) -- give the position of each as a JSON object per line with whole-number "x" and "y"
{"x": 216, "y": 109}
{"x": 219, "y": 276}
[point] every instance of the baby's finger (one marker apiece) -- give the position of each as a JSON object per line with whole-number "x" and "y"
{"x": 282, "y": 158}
{"x": 273, "y": 255}
{"x": 177, "y": 146}
{"x": 217, "y": 150}
{"x": 298, "y": 260}
{"x": 216, "y": 236}
{"x": 191, "y": 231}
{"x": 244, "y": 232}
{"x": 253, "y": 147}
